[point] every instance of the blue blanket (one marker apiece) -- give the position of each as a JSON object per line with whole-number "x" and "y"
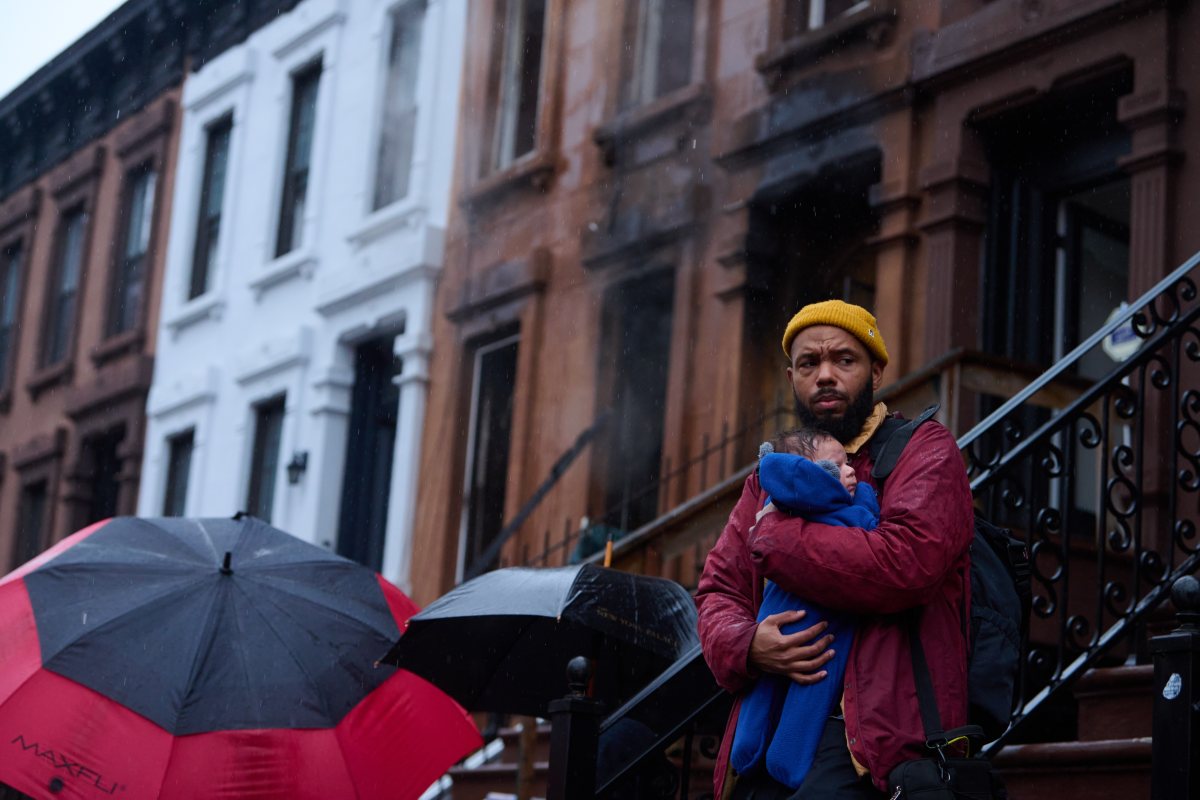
{"x": 780, "y": 722}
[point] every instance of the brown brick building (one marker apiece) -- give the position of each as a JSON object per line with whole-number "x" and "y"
{"x": 646, "y": 191}
{"x": 87, "y": 164}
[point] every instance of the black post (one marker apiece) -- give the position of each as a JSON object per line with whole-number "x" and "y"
{"x": 574, "y": 737}
{"x": 1176, "y": 748}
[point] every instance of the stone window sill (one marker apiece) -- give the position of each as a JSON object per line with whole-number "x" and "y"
{"x": 398, "y": 216}
{"x": 118, "y": 345}
{"x": 534, "y": 169}
{"x": 194, "y": 311}
{"x": 690, "y": 101}
{"x": 48, "y": 377}
{"x": 301, "y": 263}
{"x": 873, "y": 22}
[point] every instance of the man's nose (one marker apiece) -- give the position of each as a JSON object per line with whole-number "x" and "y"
{"x": 825, "y": 373}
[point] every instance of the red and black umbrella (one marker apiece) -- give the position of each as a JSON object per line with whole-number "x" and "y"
{"x": 173, "y": 658}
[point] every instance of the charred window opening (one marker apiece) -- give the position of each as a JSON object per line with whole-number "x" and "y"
{"x": 63, "y": 295}
{"x": 264, "y": 458}
{"x": 489, "y": 445}
{"x": 805, "y": 245}
{"x": 1057, "y": 240}
{"x": 31, "y": 521}
{"x": 366, "y": 485}
{"x": 661, "y": 59}
{"x": 10, "y": 302}
{"x": 212, "y": 194}
{"x": 635, "y": 353}
{"x": 515, "y": 80}
{"x": 179, "y": 468}
{"x": 398, "y": 124}
{"x": 100, "y": 473}
{"x": 129, "y": 282}
{"x": 801, "y": 16}
{"x": 301, "y": 126}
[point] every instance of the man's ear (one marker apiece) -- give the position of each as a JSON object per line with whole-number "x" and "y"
{"x": 876, "y": 374}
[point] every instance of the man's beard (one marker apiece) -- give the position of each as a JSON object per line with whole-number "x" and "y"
{"x": 846, "y": 427}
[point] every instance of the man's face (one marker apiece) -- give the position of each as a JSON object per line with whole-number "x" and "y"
{"x": 834, "y": 380}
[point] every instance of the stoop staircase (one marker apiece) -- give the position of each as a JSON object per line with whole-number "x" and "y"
{"x": 1101, "y": 479}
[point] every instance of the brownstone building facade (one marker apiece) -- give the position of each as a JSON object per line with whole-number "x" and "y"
{"x": 87, "y": 163}
{"x": 646, "y": 192}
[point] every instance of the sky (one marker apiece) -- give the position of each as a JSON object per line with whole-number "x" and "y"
{"x": 32, "y": 32}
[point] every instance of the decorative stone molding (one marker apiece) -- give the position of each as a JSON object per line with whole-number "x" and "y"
{"x": 667, "y": 118}
{"x": 873, "y": 24}
{"x": 501, "y": 283}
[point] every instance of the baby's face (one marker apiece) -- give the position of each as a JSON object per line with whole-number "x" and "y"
{"x": 832, "y": 450}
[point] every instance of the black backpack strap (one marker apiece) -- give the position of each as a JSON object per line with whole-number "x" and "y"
{"x": 890, "y": 440}
{"x": 931, "y": 719}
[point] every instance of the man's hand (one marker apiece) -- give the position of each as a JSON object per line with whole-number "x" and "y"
{"x": 795, "y": 655}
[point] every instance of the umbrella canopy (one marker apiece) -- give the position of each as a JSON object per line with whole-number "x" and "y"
{"x": 172, "y": 658}
{"x": 501, "y": 642}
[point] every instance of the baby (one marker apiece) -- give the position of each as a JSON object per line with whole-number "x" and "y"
{"x": 805, "y": 473}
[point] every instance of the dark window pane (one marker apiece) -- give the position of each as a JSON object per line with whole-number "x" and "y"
{"x": 64, "y": 288}
{"x": 264, "y": 461}
{"x": 295, "y": 177}
{"x": 103, "y": 465}
{"x": 660, "y": 32}
{"x": 399, "y": 124}
{"x": 130, "y": 281}
{"x": 519, "y": 67}
{"x": 179, "y": 467}
{"x": 491, "y": 434}
{"x": 674, "y": 64}
{"x": 31, "y": 519}
{"x": 212, "y": 193}
{"x": 10, "y": 276}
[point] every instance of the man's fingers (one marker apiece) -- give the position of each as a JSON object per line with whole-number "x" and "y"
{"x": 812, "y": 664}
{"x": 803, "y": 640}
{"x": 806, "y": 679}
{"x": 785, "y": 617}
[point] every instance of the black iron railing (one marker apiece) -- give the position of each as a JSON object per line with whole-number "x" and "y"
{"x": 1104, "y": 491}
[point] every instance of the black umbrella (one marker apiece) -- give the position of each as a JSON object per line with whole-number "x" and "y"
{"x": 501, "y": 642}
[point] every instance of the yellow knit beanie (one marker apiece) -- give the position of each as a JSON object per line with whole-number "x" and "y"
{"x": 855, "y": 320}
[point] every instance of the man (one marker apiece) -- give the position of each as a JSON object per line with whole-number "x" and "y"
{"x": 915, "y": 559}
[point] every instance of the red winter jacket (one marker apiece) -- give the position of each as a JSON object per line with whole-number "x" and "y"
{"x": 916, "y": 557}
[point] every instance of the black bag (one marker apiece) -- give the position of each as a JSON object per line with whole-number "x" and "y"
{"x": 943, "y": 776}
{"x": 1001, "y": 595}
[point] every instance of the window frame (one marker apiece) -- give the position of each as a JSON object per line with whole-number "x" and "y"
{"x": 256, "y": 477}
{"x": 205, "y": 241}
{"x": 171, "y": 441}
{"x": 400, "y": 14}
{"x": 52, "y": 312}
{"x": 296, "y": 183}
{"x": 637, "y": 15}
{"x": 121, "y": 257}
{"x": 18, "y": 266}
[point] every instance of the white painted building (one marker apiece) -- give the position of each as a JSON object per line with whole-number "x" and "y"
{"x": 307, "y": 234}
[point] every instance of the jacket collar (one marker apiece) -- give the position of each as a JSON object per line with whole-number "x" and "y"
{"x": 878, "y": 415}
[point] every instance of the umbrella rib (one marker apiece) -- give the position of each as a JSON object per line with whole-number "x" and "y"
{"x": 316, "y": 686}
{"x": 285, "y": 589}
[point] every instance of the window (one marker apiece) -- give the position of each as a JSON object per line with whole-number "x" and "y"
{"x": 101, "y": 467}
{"x": 63, "y": 296}
{"x": 661, "y": 62}
{"x": 31, "y": 519}
{"x": 179, "y": 466}
{"x": 264, "y": 460}
{"x": 488, "y": 448}
{"x": 212, "y": 192}
{"x": 299, "y": 151}
{"x": 129, "y": 282}
{"x": 516, "y": 79}
{"x": 10, "y": 286}
{"x": 398, "y": 126}
{"x": 800, "y": 16}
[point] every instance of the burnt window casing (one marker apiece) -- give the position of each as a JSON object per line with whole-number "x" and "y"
{"x": 488, "y": 449}
{"x": 10, "y": 303}
{"x": 179, "y": 467}
{"x": 301, "y": 125}
{"x": 264, "y": 459}
{"x": 31, "y": 521}
{"x": 661, "y": 59}
{"x": 212, "y": 194}
{"x": 515, "y": 80}
{"x": 62, "y": 299}
{"x": 398, "y": 123}
{"x": 129, "y": 281}
{"x": 800, "y": 16}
